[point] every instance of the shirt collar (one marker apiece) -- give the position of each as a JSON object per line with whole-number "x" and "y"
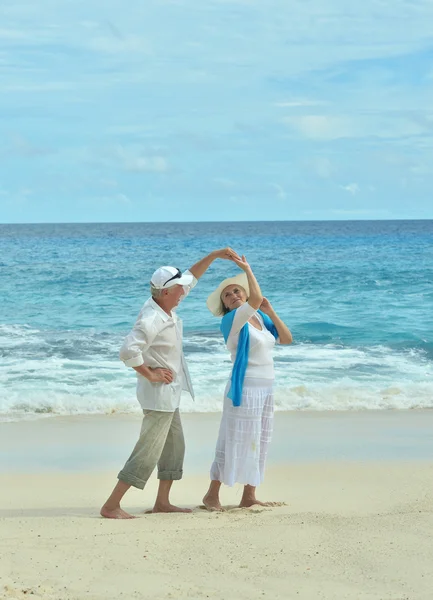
{"x": 164, "y": 316}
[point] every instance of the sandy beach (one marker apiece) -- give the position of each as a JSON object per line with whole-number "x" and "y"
{"x": 357, "y": 524}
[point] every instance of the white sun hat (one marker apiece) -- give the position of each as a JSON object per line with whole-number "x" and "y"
{"x": 214, "y": 302}
{"x": 166, "y": 277}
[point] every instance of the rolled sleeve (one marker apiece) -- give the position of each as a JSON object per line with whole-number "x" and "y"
{"x": 188, "y": 288}
{"x": 136, "y": 343}
{"x": 135, "y": 361}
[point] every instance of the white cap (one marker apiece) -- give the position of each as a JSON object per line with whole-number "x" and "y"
{"x": 166, "y": 277}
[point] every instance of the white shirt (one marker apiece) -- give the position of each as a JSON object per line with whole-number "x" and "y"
{"x": 262, "y": 342}
{"x": 156, "y": 341}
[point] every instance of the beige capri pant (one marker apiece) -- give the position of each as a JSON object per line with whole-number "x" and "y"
{"x": 161, "y": 443}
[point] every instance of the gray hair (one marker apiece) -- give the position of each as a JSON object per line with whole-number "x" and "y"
{"x": 155, "y": 292}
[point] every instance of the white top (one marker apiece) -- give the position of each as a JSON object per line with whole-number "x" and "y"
{"x": 156, "y": 341}
{"x": 260, "y": 360}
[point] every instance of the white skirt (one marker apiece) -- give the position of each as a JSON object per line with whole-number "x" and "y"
{"x": 244, "y": 435}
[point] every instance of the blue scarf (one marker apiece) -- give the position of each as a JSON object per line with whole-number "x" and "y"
{"x": 242, "y": 352}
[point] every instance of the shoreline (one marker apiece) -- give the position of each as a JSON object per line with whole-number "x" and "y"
{"x": 103, "y": 442}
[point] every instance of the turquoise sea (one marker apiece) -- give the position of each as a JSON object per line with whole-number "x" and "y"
{"x": 358, "y": 297}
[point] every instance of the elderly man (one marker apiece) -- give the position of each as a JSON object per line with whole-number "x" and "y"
{"x": 154, "y": 349}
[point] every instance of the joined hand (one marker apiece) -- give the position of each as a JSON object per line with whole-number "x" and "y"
{"x": 227, "y": 254}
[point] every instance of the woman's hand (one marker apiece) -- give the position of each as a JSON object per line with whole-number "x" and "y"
{"x": 266, "y": 306}
{"x": 242, "y": 263}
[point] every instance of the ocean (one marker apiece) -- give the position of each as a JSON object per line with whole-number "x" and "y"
{"x": 357, "y": 295}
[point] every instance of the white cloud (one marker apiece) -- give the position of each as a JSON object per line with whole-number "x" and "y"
{"x": 323, "y": 167}
{"x": 320, "y": 95}
{"x": 133, "y": 159}
{"x": 225, "y": 183}
{"x": 321, "y": 127}
{"x": 131, "y": 44}
{"x": 281, "y": 193}
{"x": 376, "y": 125}
{"x": 108, "y": 183}
{"x": 24, "y": 147}
{"x": 157, "y": 164}
{"x": 361, "y": 213}
{"x": 297, "y": 103}
{"x": 12, "y": 34}
{"x": 46, "y": 86}
{"x": 123, "y": 199}
{"x": 114, "y": 200}
{"x": 243, "y": 200}
{"x": 352, "y": 188}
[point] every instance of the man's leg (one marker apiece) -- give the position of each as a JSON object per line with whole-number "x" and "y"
{"x": 170, "y": 466}
{"x": 111, "y": 509}
{"x": 142, "y": 461}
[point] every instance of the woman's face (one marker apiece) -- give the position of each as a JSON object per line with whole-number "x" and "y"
{"x": 233, "y": 296}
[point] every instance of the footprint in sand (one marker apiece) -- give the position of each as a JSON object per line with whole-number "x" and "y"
{"x": 256, "y": 508}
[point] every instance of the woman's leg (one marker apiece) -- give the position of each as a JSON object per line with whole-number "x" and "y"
{"x": 249, "y": 498}
{"x": 212, "y": 498}
{"x": 249, "y": 494}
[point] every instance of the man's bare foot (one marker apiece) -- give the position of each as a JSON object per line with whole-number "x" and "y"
{"x": 115, "y": 513}
{"x": 212, "y": 503}
{"x": 168, "y": 508}
{"x": 248, "y": 502}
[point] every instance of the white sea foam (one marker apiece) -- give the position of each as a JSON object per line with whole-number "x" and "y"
{"x": 43, "y": 374}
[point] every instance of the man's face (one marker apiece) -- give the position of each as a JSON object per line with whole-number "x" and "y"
{"x": 174, "y": 294}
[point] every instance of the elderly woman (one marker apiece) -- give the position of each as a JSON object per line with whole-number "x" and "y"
{"x": 250, "y": 327}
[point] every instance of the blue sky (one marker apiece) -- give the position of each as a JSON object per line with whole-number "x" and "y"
{"x": 179, "y": 110}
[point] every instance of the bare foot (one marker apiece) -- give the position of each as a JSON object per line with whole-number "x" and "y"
{"x": 248, "y": 502}
{"x": 168, "y": 508}
{"x": 212, "y": 503}
{"x": 115, "y": 513}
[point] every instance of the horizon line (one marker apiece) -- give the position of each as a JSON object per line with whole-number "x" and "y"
{"x": 397, "y": 219}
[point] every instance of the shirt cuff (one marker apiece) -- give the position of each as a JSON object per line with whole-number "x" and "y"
{"x": 194, "y": 280}
{"x": 136, "y": 361}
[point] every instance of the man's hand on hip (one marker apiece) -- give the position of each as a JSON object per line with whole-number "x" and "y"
{"x": 160, "y": 375}
{"x": 157, "y": 375}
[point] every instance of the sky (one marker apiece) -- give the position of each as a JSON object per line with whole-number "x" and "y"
{"x": 215, "y": 110}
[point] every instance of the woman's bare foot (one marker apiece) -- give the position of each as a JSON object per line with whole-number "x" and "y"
{"x": 248, "y": 502}
{"x": 168, "y": 508}
{"x": 115, "y": 513}
{"x": 212, "y": 503}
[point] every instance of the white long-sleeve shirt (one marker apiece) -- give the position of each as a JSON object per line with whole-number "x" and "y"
{"x": 262, "y": 342}
{"x": 156, "y": 341}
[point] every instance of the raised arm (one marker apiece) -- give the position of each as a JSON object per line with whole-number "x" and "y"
{"x": 255, "y": 296}
{"x": 284, "y": 334}
{"x": 247, "y": 310}
{"x": 200, "y": 267}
